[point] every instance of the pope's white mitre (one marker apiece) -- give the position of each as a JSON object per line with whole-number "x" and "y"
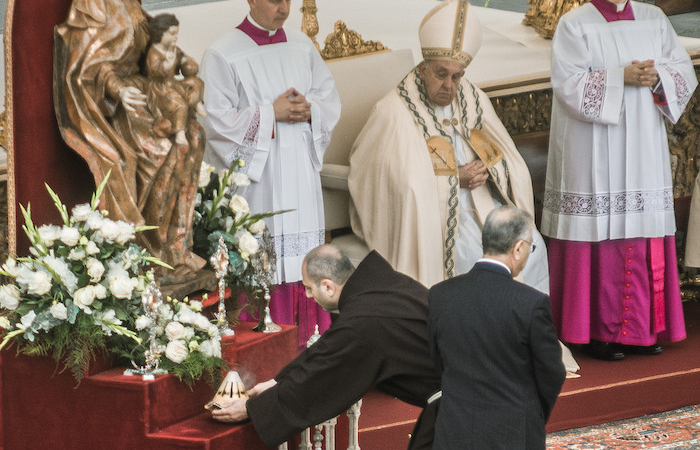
{"x": 451, "y": 31}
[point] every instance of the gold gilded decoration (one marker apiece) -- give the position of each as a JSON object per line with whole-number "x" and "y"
{"x": 442, "y": 154}
{"x": 482, "y": 144}
{"x": 544, "y": 15}
{"x": 10, "y": 200}
{"x": 309, "y": 21}
{"x": 524, "y": 112}
{"x": 344, "y": 42}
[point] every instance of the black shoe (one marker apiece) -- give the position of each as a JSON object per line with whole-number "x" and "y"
{"x": 603, "y": 350}
{"x": 640, "y": 349}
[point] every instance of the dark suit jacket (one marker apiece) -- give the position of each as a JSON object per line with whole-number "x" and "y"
{"x": 495, "y": 345}
{"x": 379, "y": 339}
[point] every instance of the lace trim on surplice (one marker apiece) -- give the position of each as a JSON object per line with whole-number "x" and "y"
{"x": 608, "y": 203}
{"x": 682, "y": 91}
{"x": 246, "y": 150}
{"x": 593, "y": 94}
{"x": 298, "y": 244}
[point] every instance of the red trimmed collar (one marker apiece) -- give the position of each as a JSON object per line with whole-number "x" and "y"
{"x": 263, "y": 37}
{"x": 609, "y": 10}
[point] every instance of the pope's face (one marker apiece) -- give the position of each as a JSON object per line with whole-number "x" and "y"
{"x": 269, "y": 14}
{"x": 442, "y": 80}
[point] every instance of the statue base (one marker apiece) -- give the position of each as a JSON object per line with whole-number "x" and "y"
{"x": 203, "y": 280}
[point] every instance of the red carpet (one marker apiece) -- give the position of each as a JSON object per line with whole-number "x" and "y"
{"x": 606, "y": 391}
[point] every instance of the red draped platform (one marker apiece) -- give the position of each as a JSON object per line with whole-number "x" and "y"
{"x": 43, "y": 408}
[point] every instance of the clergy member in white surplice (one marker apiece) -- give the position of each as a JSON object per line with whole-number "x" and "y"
{"x": 617, "y": 70}
{"x": 434, "y": 159}
{"x": 271, "y": 101}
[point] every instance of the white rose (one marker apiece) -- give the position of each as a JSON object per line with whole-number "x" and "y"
{"x": 247, "y": 243}
{"x": 207, "y": 348}
{"x": 100, "y": 291}
{"x": 201, "y": 322}
{"x": 94, "y": 220}
{"x": 120, "y": 284}
{"x": 77, "y": 254}
{"x": 239, "y": 206}
{"x": 213, "y": 330}
{"x": 109, "y": 230}
{"x": 142, "y": 323}
{"x": 95, "y": 269}
{"x": 189, "y": 333}
{"x": 49, "y": 233}
{"x": 126, "y": 232}
{"x": 91, "y": 248}
{"x": 176, "y": 351}
{"x": 4, "y": 323}
{"x": 81, "y": 212}
{"x": 186, "y": 316}
{"x": 166, "y": 312}
{"x": 9, "y": 296}
{"x": 240, "y": 179}
{"x": 70, "y": 236}
{"x": 84, "y": 297}
{"x": 59, "y": 311}
{"x": 175, "y": 331}
{"x": 258, "y": 227}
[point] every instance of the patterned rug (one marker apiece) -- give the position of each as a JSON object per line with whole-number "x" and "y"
{"x": 678, "y": 429}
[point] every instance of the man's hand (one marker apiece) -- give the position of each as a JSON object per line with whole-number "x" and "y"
{"x": 132, "y": 97}
{"x": 261, "y": 387}
{"x": 473, "y": 174}
{"x": 232, "y": 412}
{"x": 641, "y": 73}
{"x": 292, "y": 107}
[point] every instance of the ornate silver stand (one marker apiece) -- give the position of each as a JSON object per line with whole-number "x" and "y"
{"x": 263, "y": 262}
{"x": 151, "y": 300}
{"x": 219, "y": 261}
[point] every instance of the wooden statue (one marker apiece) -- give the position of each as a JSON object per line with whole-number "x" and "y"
{"x": 139, "y": 123}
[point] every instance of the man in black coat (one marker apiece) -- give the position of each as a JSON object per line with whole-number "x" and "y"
{"x": 494, "y": 343}
{"x": 379, "y": 339}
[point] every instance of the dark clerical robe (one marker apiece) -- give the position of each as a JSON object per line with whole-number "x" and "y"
{"x": 380, "y": 339}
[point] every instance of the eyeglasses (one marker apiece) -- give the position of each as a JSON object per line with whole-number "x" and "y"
{"x": 532, "y": 246}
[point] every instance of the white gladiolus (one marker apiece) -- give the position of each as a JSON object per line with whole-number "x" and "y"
{"x": 240, "y": 179}
{"x": 11, "y": 267}
{"x": 9, "y": 296}
{"x": 27, "y": 320}
{"x": 4, "y": 323}
{"x": 205, "y": 171}
{"x": 70, "y": 236}
{"x": 64, "y": 272}
{"x": 176, "y": 351}
{"x": 37, "y": 282}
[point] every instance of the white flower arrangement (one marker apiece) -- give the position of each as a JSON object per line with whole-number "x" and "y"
{"x": 189, "y": 342}
{"x": 221, "y": 211}
{"x": 79, "y": 289}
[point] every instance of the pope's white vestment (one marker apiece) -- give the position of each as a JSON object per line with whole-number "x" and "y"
{"x": 423, "y": 224}
{"x": 283, "y": 160}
